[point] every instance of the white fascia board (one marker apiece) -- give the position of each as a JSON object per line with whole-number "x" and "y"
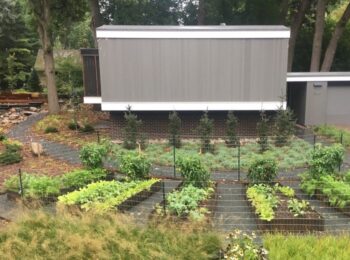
{"x": 192, "y": 34}
{"x": 92, "y": 100}
{"x": 192, "y": 106}
{"x": 318, "y": 78}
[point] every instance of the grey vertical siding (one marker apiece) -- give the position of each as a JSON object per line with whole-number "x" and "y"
{"x": 338, "y": 105}
{"x": 214, "y": 70}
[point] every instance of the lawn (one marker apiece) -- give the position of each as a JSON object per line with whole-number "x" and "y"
{"x": 295, "y": 247}
{"x": 225, "y": 158}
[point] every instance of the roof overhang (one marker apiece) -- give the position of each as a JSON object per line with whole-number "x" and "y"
{"x": 317, "y": 76}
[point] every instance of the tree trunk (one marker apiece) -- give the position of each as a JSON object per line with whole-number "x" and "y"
{"x": 44, "y": 33}
{"x": 96, "y": 18}
{"x": 318, "y": 35}
{"x": 294, "y": 30}
{"x": 333, "y": 43}
{"x": 201, "y": 12}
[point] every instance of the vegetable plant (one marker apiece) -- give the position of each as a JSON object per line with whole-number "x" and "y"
{"x": 262, "y": 170}
{"x": 135, "y": 165}
{"x": 80, "y": 178}
{"x": 92, "y": 155}
{"x": 193, "y": 171}
{"x": 297, "y": 207}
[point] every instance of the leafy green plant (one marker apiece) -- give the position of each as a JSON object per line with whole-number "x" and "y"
{"x": 262, "y": 170}
{"x": 193, "y": 171}
{"x": 135, "y": 165}
{"x": 231, "y": 129}
{"x": 337, "y": 134}
{"x": 285, "y": 190}
{"x": 51, "y": 129}
{"x": 205, "y": 130}
{"x": 264, "y": 200}
{"x": 80, "y": 178}
{"x": 174, "y": 129}
{"x": 8, "y": 158}
{"x": 241, "y": 246}
{"x": 325, "y": 160}
{"x": 92, "y": 155}
{"x": 186, "y": 201}
{"x": 73, "y": 125}
{"x": 103, "y": 196}
{"x": 131, "y": 129}
{"x": 12, "y": 145}
{"x": 284, "y": 126}
{"x": 297, "y": 207}
{"x": 263, "y": 130}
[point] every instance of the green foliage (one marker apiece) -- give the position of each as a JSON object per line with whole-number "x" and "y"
{"x": 111, "y": 236}
{"x": 105, "y": 195}
{"x": 241, "y": 246}
{"x": 80, "y": 178}
{"x": 339, "y": 135}
{"x": 231, "y": 126}
{"x": 132, "y": 125}
{"x": 15, "y": 73}
{"x": 308, "y": 184}
{"x": 51, "y": 129}
{"x": 73, "y": 125}
{"x": 264, "y": 200}
{"x": 12, "y": 154}
{"x": 325, "y": 160}
{"x": 174, "y": 129}
{"x": 34, "y": 186}
{"x": 284, "y": 126}
{"x": 298, "y": 207}
{"x": 33, "y": 82}
{"x": 262, "y": 170}
{"x": 205, "y": 130}
{"x": 285, "y": 190}
{"x": 92, "y": 155}
{"x": 135, "y": 165}
{"x": 193, "y": 171}
{"x": 13, "y": 145}
{"x": 263, "y": 132}
{"x": 338, "y": 192}
{"x": 186, "y": 202}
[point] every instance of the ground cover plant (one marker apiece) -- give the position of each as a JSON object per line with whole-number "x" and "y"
{"x": 10, "y": 152}
{"x": 39, "y": 186}
{"x": 295, "y": 155}
{"x": 296, "y": 247}
{"x": 335, "y": 133}
{"x": 103, "y": 196}
{"x": 89, "y": 236}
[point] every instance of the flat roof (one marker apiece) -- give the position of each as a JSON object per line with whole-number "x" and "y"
{"x": 221, "y": 31}
{"x": 317, "y": 76}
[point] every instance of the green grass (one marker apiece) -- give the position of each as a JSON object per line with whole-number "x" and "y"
{"x": 63, "y": 236}
{"x": 224, "y": 158}
{"x": 307, "y": 247}
{"x": 334, "y": 133}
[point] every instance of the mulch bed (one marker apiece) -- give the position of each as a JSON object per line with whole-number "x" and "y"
{"x": 285, "y": 221}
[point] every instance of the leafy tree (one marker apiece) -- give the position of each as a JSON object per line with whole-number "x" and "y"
{"x": 263, "y": 130}
{"x": 15, "y": 72}
{"x": 131, "y": 129}
{"x": 231, "y": 124}
{"x": 174, "y": 129}
{"x": 205, "y": 130}
{"x": 284, "y": 126}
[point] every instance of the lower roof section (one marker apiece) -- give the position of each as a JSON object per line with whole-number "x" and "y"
{"x": 192, "y": 106}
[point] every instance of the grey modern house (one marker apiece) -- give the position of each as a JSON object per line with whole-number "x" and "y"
{"x": 157, "y": 69}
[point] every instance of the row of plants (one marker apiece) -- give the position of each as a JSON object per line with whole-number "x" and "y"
{"x": 323, "y": 178}
{"x": 335, "y": 133}
{"x": 11, "y": 153}
{"x": 41, "y": 187}
{"x": 103, "y": 196}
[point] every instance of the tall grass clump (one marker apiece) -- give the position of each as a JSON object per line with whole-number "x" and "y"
{"x": 89, "y": 236}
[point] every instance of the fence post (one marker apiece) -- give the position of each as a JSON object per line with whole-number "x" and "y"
{"x": 98, "y": 136}
{"x": 314, "y": 141}
{"x": 341, "y": 138}
{"x": 239, "y": 159}
{"x": 164, "y": 201}
{"x": 20, "y": 182}
{"x": 174, "y": 155}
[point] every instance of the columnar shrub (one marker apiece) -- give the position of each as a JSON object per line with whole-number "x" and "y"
{"x": 174, "y": 129}
{"x": 135, "y": 165}
{"x": 263, "y": 129}
{"x": 325, "y": 160}
{"x": 231, "y": 124}
{"x": 193, "y": 171}
{"x": 205, "y": 130}
{"x": 92, "y": 155}
{"x": 284, "y": 126}
{"x": 262, "y": 170}
{"x": 132, "y": 125}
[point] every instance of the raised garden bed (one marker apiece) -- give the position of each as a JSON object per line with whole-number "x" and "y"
{"x": 285, "y": 221}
